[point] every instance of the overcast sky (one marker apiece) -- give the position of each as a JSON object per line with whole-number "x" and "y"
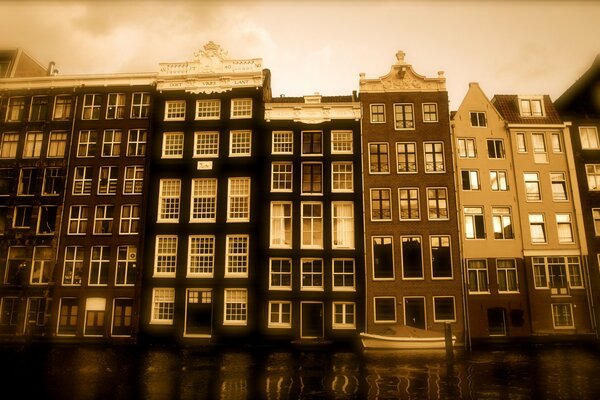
{"x": 509, "y": 47}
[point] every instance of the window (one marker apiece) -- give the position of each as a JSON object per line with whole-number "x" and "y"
{"x": 208, "y": 109}
{"x": 91, "y": 106}
{"x": 377, "y": 113}
{"x": 495, "y": 148}
{"x": 556, "y": 142}
{"x": 408, "y": 199}
{"x": 588, "y": 136}
{"x": 22, "y": 216}
{"x": 478, "y": 276}
{"x": 385, "y": 309}
{"x": 57, "y": 144}
{"x": 443, "y": 309}
{"x": 16, "y": 263}
{"x": 130, "y": 219}
{"x": 532, "y": 186}
{"x": 412, "y": 259}
{"x": 111, "y": 143}
{"x": 169, "y": 200}
{"x": 343, "y": 274}
{"x": 467, "y": 148}
{"x": 236, "y": 307}
{"x": 557, "y": 274}
{"x": 39, "y": 108}
{"x": 140, "y": 105}
{"x": 342, "y": 177}
{"x": 312, "y": 178}
{"x": 172, "y": 145}
{"x": 126, "y": 265}
{"x": 596, "y": 217}
{"x": 6, "y": 181}
{"x": 163, "y": 306}
{"x": 206, "y": 144}
{"x": 540, "y": 153}
{"x": 236, "y": 256}
{"x": 204, "y": 200}
{"x": 62, "y": 107}
{"x": 38, "y": 312}
{"x": 342, "y": 224}
{"x": 33, "y": 145}
{"x": 559, "y": 186}
{"x": 238, "y": 200}
{"x": 341, "y": 142}
{"x": 380, "y": 205}
{"x": 73, "y": 265}
{"x": 531, "y": 107}
{"x": 383, "y": 257}
{"x": 312, "y": 143}
{"x": 280, "y": 314}
{"x": 115, "y": 109}
{"x": 280, "y": 273}
{"x": 107, "y": 180}
{"x": 281, "y": 224}
{"x": 165, "y": 256}
{"x": 133, "y": 181}
{"x": 562, "y": 315}
{"x": 43, "y": 265}
{"x": 67, "y": 322}
{"x": 343, "y": 315}
{"x": 281, "y": 176}
{"x": 406, "y": 156}
{"x": 537, "y": 228}
{"x": 78, "y": 219}
{"x": 14, "y": 112}
{"x": 430, "y": 112}
{"x": 175, "y": 110}
{"x": 498, "y": 181}
{"x": 103, "y": 220}
{"x": 434, "y": 157}
{"x": 403, "y": 116}
{"x": 437, "y": 203}
{"x": 470, "y": 179}
{"x": 136, "y": 142}
{"x": 312, "y": 274}
{"x": 507, "y": 276}
{"x": 312, "y": 225}
{"x": 241, "y": 108}
{"x": 27, "y": 179}
{"x": 565, "y": 228}
{"x": 240, "y": 143}
{"x": 122, "y": 317}
{"x": 474, "y": 225}
{"x": 379, "y": 162}
{"x": 502, "y": 223}
{"x": 201, "y": 255}
{"x": 86, "y": 146}
{"x": 53, "y": 181}
{"x": 478, "y": 119}
{"x": 283, "y": 142}
{"x": 99, "y": 263}
{"x": 521, "y": 143}
{"x": 441, "y": 258}
{"x": 8, "y": 147}
{"x": 592, "y": 172}
{"x": 46, "y": 220}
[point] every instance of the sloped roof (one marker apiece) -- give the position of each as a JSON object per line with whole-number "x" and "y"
{"x": 579, "y": 97}
{"x": 508, "y": 106}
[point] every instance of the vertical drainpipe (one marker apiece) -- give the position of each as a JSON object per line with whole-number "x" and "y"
{"x": 362, "y": 179}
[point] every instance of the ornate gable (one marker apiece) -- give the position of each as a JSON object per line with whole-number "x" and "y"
{"x": 402, "y": 78}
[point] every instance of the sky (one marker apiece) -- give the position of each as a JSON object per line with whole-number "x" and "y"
{"x": 509, "y": 47}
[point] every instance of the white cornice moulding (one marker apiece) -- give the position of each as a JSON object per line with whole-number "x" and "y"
{"x": 312, "y": 113}
{"x": 210, "y": 83}
{"x": 72, "y": 81}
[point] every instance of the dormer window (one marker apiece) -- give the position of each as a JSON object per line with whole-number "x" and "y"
{"x": 531, "y": 107}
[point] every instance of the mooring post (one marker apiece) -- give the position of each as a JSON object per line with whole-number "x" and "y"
{"x": 448, "y": 337}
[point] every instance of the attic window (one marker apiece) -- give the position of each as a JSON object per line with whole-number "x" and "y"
{"x": 531, "y": 107}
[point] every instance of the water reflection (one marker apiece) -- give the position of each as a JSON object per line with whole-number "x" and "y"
{"x": 185, "y": 373}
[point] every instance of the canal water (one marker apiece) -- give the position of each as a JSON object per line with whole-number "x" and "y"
{"x": 94, "y": 372}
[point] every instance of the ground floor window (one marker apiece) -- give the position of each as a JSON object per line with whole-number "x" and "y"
{"x": 344, "y": 315}
{"x": 443, "y": 309}
{"x": 385, "y": 309}
{"x": 67, "y": 323}
{"x": 280, "y": 314}
{"x": 122, "y": 311}
{"x": 562, "y": 315}
{"x": 163, "y": 306}
{"x": 236, "y": 307}
{"x": 95, "y": 310}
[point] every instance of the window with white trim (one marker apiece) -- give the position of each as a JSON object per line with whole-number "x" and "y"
{"x": 441, "y": 257}
{"x": 241, "y": 108}
{"x": 133, "y": 179}
{"x": 130, "y": 219}
{"x": 588, "y": 135}
{"x": 495, "y": 148}
{"x": 521, "y": 142}
{"x": 165, "y": 256}
{"x": 312, "y": 178}
{"x": 532, "y": 186}
{"x": 169, "y": 200}
{"x": 592, "y": 172}
{"x": 32, "y": 148}
{"x": 562, "y": 315}
{"x": 201, "y": 255}
{"x": 136, "y": 142}
{"x": 62, "y": 107}
{"x": 27, "y": 179}
{"x": 531, "y": 107}
{"x": 406, "y": 157}
{"x": 385, "y": 309}
{"x": 240, "y": 143}
{"x": 206, "y": 144}
{"x": 437, "y": 203}
{"x": 126, "y": 265}
{"x": 377, "y": 113}
{"x": 556, "y": 141}
{"x": 53, "y": 181}
{"x": 99, "y": 264}
{"x": 344, "y": 315}
{"x": 557, "y": 274}
{"x": 474, "y": 223}
{"x": 115, "y": 107}
{"x": 537, "y": 228}
{"x": 404, "y": 116}
{"x": 379, "y": 161}
{"x": 467, "y": 148}
{"x": 383, "y": 257}
{"x": 444, "y": 309}
{"x": 343, "y": 274}
{"x": 312, "y": 225}
{"x": 22, "y": 216}
{"x": 540, "y": 152}
{"x": 204, "y": 200}
{"x": 9, "y": 144}
{"x": 412, "y": 257}
{"x": 478, "y": 119}
{"x": 408, "y": 202}
{"x": 280, "y": 273}
{"x": 103, "y": 219}
{"x": 565, "y": 228}
{"x": 140, "y": 105}
{"x": 86, "y": 145}
{"x": 107, "y": 180}
{"x": 236, "y": 307}
{"x": 82, "y": 180}
{"x": 430, "y": 113}
{"x": 477, "y": 273}
{"x": 238, "y": 200}
{"x": 312, "y": 142}
{"x": 498, "y": 181}
{"x": 15, "y": 109}
{"x": 42, "y": 265}
{"x": 342, "y": 177}
{"x": 78, "y": 219}
{"x": 470, "y": 179}
{"x": 73, "y": 265}
{"x": 596, "y": 218}
{"x": 281, "y": 224}
{"x": 342, "y": 221}
{"x": 506, "y": 270}
{"x": 208, "y": 109}
{"x": 175, "y": 110}
{"x": 172, "y": 145}
{"x": 91, "y": 106}
{"x": 559, "y": 186}
{"x": 311, "y": 273}
{"x": 163, "y": 306}
{"x": 283, "y": 142}
{"x": 381, "y": 204}
{"x": 111, "y": 143}
{"x": 502, "y": 223}
{"x": 236, "y": 255}
{"x": 341, "y": 142}
{"x": 57, "y": 144}
{"x": 280, "y": 314}
{"x": 281, "y": 176}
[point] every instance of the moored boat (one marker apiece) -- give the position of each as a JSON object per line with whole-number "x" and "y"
{"x": 406, "y": 338}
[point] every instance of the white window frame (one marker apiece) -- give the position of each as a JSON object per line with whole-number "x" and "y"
{"x": 473, "y": 214}
{"x": 501, "y": 219}
{"x": 342, "y": 177}
{"x": 409, "y": 162}
{"x": 342, "y": 142}
{"x": 441, "y": 241}
{"x": 498, "y": 180}
{"x": 570, "y": 317}
{"x": 311, "y": 227}
{"x": 559, "y": 180}
{"x": 404, "y": 124}
{"x": 140, "y": 105}
{"x": 172, "y": 145}
{"x": 208, "y": 109}
{"x": 276, "y": 309}
{"x": 201, "y": 256}
{"x": 103, "y": 219}
{"x": 206, "y": 144}
{"x": 282, "y": 176}
{"x": 466, "y": 147}
{"x": 32, "y": 146}
{"x": 588, "y": 137}
{"x": 133, "y": 179}
{"x": 238, "y": 199}
{"x": 241, "y": 108}
{"x": 540, "y": 148}
{"x": 280, "y": 273}
{"x": 526, "y": 109}
{"x": 435, "y": 314}
{"x": 136, "y": 142}
{"x": 57, "y": 144}
{"x": 564, "y": 221}
{"x": 347, "y": 311}
{"x": 342, "y": 225}
{"x": 382, "y": 203}
{"x": 385, "y": 321}
{"x": 406, "y": 201}
{"x": 429, "y": 112}
{"x": 129, "y": 224}
{"x": 78, "y": 215}
{"x": 521, "y": 141}
{"x": 73, "y": 266}
{"x": 101, "y": 261}
{"x": 372, "y": 114}
{"x": 480, "y": 270}
{"x": 345, "y": 275}
{"x": 203, "y": 201}
{"x": 440, "y": 204}
{"x": 126, "y": 262}
{"x": 163, "y": 306}
{"x": 165, "y": 256}
{"x": 537, "y": 220}
{"x": 115, "y": 106}
{"x": 282, "y": 142}
{"x": 530, "y": 179}
{"x": 87, "y": 143}
{"x": 169, "y": 200}
{"x": 235, "y": 306}
{"x": 108, "y": 178}
{"x": 474, "y": 182}
{"x": 281, "y": 224}
{"x": 175, "y": 110}
{"x": 312, "y": 272}
{"x": 62, "y": 107}
{"x": 237, "y": 256}
{"x": 240, "y": 143}
{"x": 507, "y": 270}
{"x": 90, "y": 110}
{"x": 478, "y": 119}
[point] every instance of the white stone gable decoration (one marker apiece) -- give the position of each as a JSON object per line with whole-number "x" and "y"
{"x": 211, "y": 71}
{"x": 312, "y": 111}
{"x": 402, "y": 77}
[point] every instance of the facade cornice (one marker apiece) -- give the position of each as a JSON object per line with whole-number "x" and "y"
{"x": 312, "y": 113}
{"x": 537, "y": 126}
{"x": 402, "y": 78}
{"x": 550, "y": 253}
{"x": 69, "y": 81}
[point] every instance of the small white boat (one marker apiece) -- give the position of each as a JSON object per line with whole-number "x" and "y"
{"x": 409, "y": 338}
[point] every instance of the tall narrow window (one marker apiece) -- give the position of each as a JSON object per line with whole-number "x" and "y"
{"x": 130, "y": 219}
{"x": 559, "y": 186}
{"x": 201, "y": 255}
{"x": 126, "y": 265}
{"x": 408, "y": 200}
{"x": 140, "y": 105}
{"x": 477, "y": 273}
{"x": 507, "y": 276}
{"x": 592, "y": 172}
{"x": 342, "y": 224}
{"x": 434, "y": 157}
{"x": 521, "y": 142}
{"x": 437, "y": 203}
{"x": 91, "y": 106}
{"x": 312, "y": 142}
{"x": 69, "y": 310}
{"x": 238, "y": 200}
{"x": 82, "y": 180}
{"x": 540, "y": 152}
{"x": 14, "y": 111}
{"x": 404, "y": 116}
{"x": 342, "y": 177}
{"x": 53, "y": 183}
{"x": 236, "y": 307}
{"x": 379, "y": 161}
{"x": 169, "y": 200}
{"x": 406, "y": 157}
{"x": 281, "y": 224}
{"x": 474, "y": 225}
{"x": 383, "y": 257}
{"x": 46, "y": 224}
{"x": 62, "y": 107}
{"x": 73, "y": 265}
{"x": 381, "y": 205}
{"x": 312, "y": 178}
{"x": 165, "y": 256}
{"x": 133, "y": 181}
{"x": 204, "y": 200}
{"x": 412, "y": 258}
{"x": 502, "y": 222}
{"x": 99, "y": 263}
{"x": 565, "y": 228}
{"x": 557, "y": 146}
{"x": 27, "y": 179}
{"x": 441, "y": 258}
{"x": 107, "y": 180}
{"x": 498, "y": 181}
{"x": 136, "y": 142}
{"x": 312, "y": 225}
{"x": 32, "y": 147}
{"x": 78, "y": 219}
{"x": 537, "y": 228}
{"x": 103, "y": 220}
{"x": 43, "y": 265}
{"x": 57, "y": 144}
{"x": 532, "y": 186}
{"x": 39, "y": 108}
{"x": 86, "y": 145}
{"x": 163, "y": 306}
{"x": 115, "y": 108}
{"x": 236, "y": 256}
{"x": 281, "y": 176}
{"x": 111, "y": 143}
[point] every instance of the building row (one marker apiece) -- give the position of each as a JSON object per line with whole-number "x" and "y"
{"x": 191, "y": 205}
